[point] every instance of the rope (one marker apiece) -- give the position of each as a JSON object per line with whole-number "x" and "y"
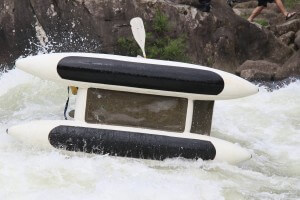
{"x": 67, "y": 104}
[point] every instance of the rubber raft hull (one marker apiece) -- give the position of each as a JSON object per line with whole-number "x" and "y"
{"x": 129, "y": 144}
{"x": 137, "y": 75}
{"x": 140, "y": 75}
{"x": 120, "y": 141}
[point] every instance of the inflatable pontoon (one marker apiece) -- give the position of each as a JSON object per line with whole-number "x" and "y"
{"x": 135, "y": 107}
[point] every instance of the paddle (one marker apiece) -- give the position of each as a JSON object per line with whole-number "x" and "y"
{"x": 139, "y": 34}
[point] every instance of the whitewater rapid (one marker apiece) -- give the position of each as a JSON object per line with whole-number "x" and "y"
{"x": 267, "y": 124}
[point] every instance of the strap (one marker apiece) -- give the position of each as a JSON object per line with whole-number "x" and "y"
{"x": 67, "y": 104}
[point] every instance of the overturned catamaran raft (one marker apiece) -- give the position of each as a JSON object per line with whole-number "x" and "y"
{"x": 135, "y": 107}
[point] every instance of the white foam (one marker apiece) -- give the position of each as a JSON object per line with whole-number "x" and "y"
{"x": 12, "y": 79}
{"x": 267, "y": 124}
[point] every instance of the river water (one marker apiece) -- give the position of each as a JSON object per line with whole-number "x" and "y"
{"x": 267, "y": 124}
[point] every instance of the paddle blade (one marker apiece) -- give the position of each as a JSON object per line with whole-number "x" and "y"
{"x": 139, "y": 34}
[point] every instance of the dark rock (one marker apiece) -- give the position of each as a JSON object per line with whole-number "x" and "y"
{"x": 265, "y": 14}
{"x": 280, "y": 19}
{"x": 269, "y": 14}
{"x": 219, "y": 39}
{"x": 260, "y": 65}
{"x": 245, "y": 5}
{"x": 258, "y": 70}
{"x": 297, "y": 40}
{"x": 255, "y": 75}
{"x": 290, "y": 68}
{"x": 298, "y": 33}
{"x": 187, "y": 2}
{"x": 288, "y": 37}
{"x": 293, "y": 25}
{"x": 293, "y": 46}
{"x": 273, "y": 7}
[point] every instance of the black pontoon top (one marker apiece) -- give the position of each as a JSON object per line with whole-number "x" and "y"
{"x": 140, "y": 75}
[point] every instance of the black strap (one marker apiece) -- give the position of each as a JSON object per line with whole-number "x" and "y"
{"x": 67, "y": 104}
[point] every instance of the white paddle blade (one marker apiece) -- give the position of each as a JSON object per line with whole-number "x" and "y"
{"x": 139, "y": 34}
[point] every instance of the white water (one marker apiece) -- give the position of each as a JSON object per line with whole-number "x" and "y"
{"x": 267, "y": 124}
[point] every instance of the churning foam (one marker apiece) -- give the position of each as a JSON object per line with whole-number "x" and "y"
{"x": 268, "y": 124}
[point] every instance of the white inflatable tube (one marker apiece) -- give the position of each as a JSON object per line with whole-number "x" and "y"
{"x": 36, "y": 133}
{"x": 45, "y": 67}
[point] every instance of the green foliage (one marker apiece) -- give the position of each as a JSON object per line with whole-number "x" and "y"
{"x": 210, "y": 61}
{"x": 174, "y": 50}
{"x": 291, "y": 3}
{"x": 245, "y": 16}
{"x": 160, "y": 44}
{"x": 160, "y": 23}
{"x": 262, "y": 22}
{"x": 128, "y": 47}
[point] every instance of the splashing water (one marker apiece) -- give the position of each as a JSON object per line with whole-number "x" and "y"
{"x": 268, "y": 124}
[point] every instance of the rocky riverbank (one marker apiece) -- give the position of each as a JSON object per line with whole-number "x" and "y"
{"x": 287, "y": 32}
{"x": 221, "y": 39}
